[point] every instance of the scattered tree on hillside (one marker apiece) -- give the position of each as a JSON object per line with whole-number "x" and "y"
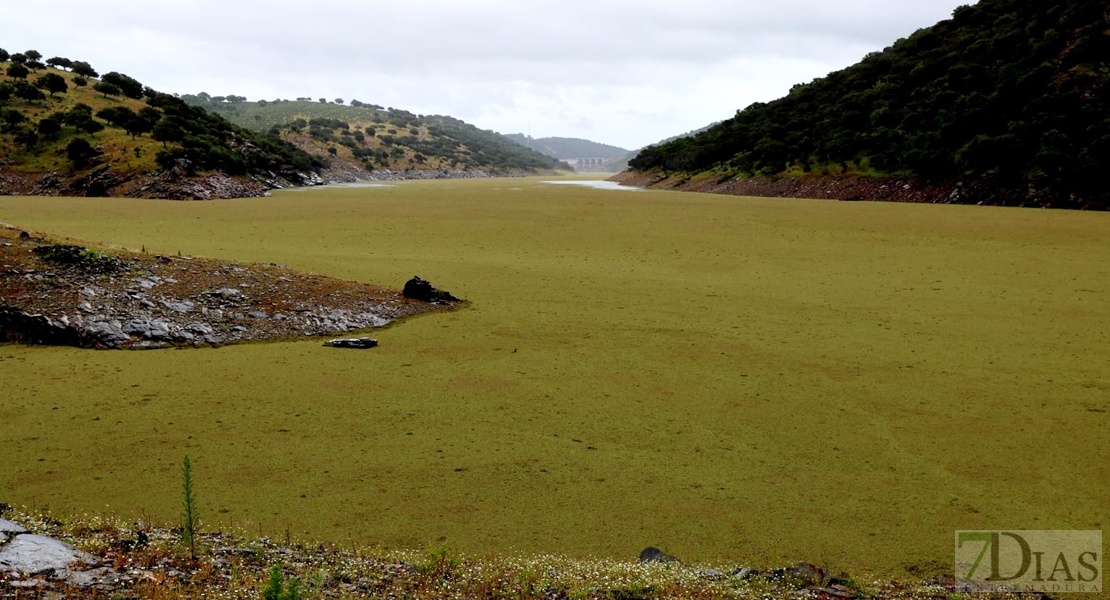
{"x": 304, "y": 99}
{"x": 323, "y": 100}
{"x": 4, "y": 56}
{"x": 27, "y": 92}
{"x": 34, "y": 65}
{"x": 339, "y": 101}
{"x": 60, "y": 63}
{"x": 116, "y": 116}
{"x": 11, "y": 118}
{"x": 6, "y": 91}
{"x": 84, "y": 69}
{"x": 80, "y": 81}
{"x": 18, "y": 57}
{"x": 17, "y": 71}
{"x": 53, "y": 83}
{"x": 27, "y": 137}
{"x": 128, "y": 86}
{"x": 33, "y": 55}
{"x": 80, "y": 118}
{"x": 108, "y": 89}
{"x": 235, "y": 99}
{"x": 79, "y": 151}
{"x": 356, "y": 103}
{"x": 51, "y": 125}
{"x": 167, "y": 130}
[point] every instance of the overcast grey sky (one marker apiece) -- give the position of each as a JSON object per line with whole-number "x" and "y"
{"x": 621, "y": 72}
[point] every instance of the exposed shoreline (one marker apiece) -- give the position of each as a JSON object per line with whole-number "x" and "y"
{"x": 61, "y": 294}
{"x": 102, "y": 181}
{"x": 857, "y": 187}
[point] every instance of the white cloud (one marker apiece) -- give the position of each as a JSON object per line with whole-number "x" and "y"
{"x": 620, "y": 71}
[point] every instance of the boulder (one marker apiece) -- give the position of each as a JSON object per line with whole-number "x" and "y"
{"x": 30, "y": 554}
{"x": 9, "y": 527}
{"x": 359, "y": 343}
{"x": 419, "y": 289}
{"x": 653, "y": 554}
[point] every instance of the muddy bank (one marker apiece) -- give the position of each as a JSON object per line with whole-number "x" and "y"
{"x": 65, "y": 294}
{"x": 860, "y": 187}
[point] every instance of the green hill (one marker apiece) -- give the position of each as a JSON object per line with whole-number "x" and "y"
{"x": 66, "y": 130}
{"x": 1004, "y": 103}
{"x": 567, "y": 148}
{"x": 371, "y": 137}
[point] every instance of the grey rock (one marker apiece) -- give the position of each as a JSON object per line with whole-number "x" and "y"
{"x": 182, "y": 307}
{"x": 36, "y": 553}
{"x": 653, "y": 554}
{"x": 108, "y": 334}
{"x": 359, "y": 343}
{"x": 137, "y": 327}
{"x": 198, "y": 328}
{"x": 257, "y": 314}
{"x": 159, "y": 330}
{"x": 9, "y": 527}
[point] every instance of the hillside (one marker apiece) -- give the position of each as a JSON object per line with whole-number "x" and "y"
{"x": 619, "y": 163}
{"x": 564, "y": 148}
{"x": 372, "y": 138}
{"x": 65, "y": 130}
{"x": 1004, "y": 103}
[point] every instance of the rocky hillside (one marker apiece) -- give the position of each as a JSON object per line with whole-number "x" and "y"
{"x": 1004, "y": 103}
{"x": 369, "y": 140}
{"x": 66, "y": 130}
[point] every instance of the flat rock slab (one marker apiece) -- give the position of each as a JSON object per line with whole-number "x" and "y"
{"x": 36, "y": 554}
{"x": 9, "y": 527}
{"x": 358, "y": 343}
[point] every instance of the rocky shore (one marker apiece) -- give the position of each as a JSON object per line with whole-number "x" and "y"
{"x": 175, "y": 184}
{"x": 859, "y": 187}
{"x": 70, "y": 295}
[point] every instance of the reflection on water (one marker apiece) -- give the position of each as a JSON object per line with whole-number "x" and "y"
{"x": 597, "y": 184}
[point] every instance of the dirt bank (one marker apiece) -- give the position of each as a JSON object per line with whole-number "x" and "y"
{"x": 861, "y": 187}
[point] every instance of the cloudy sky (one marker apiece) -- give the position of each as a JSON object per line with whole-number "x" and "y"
{"x": 621, "y": 72}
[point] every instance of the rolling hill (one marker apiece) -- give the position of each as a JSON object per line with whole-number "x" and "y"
{"x": 1004, "y": 103}
{"x": 373, "y": 138}
{"x": 64, "y": 130}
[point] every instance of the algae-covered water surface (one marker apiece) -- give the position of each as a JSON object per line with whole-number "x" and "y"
{"x": 740, "y": 379}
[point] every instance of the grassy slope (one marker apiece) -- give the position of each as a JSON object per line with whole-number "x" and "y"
{"x": 49, "y": 155}
{"x": 750, "y": 380}
{"x": 476, "y": 148}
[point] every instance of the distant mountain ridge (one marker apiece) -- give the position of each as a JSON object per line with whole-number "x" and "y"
{"x": 567, "y": 148}
{"x": 1004, "y": 103}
